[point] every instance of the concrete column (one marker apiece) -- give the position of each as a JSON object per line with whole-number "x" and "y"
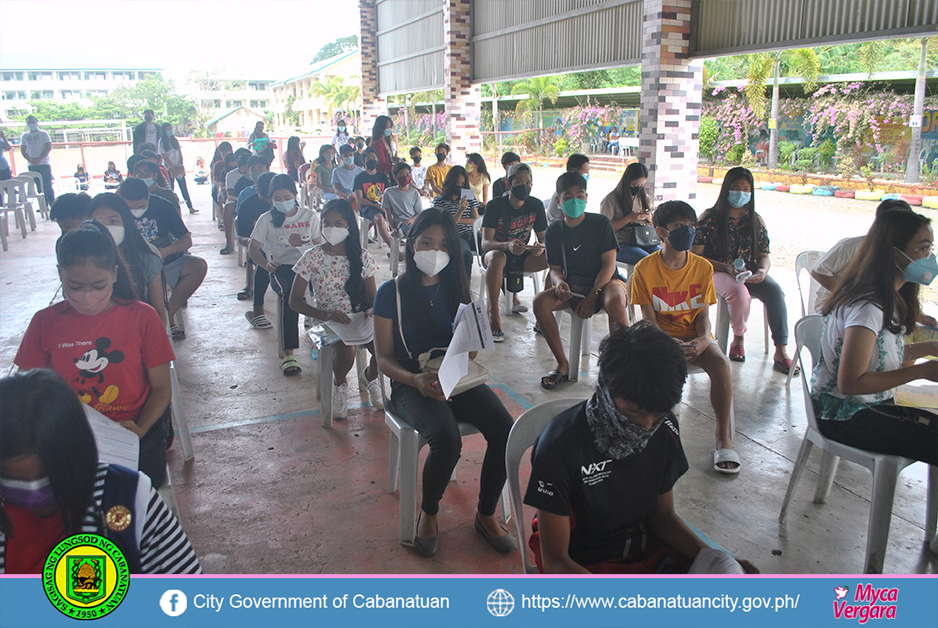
{"x": 372, "y": 104}
{"x": 463, "y": 99}
{"x": 672, "y": 90}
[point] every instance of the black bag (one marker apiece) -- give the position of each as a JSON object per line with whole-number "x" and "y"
{"x": 642, "y": 235}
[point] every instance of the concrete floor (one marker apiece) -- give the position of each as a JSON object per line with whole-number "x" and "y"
{"x": 271, "y": 491}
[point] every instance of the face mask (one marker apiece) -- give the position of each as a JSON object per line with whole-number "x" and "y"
{"x": 635, "y": 190}
{"x": 573, "y": 207}
{"x": 387, "y": 133}
{"x": 29, "y": 495}
{"x": 348, "y": 161}
{"x": 255, "y": 176}
{"x": 361, "y": 147}
{"x": 403, "y": 182}
{"x": 586, "y": 177}
{"x": 169, "y": 132}
{"x": 117, "y": 232}
{"x": 416, "y": 160}
{"x": 440, "y": 156}
{"x": 520, "y": 192}
{"x": 148, "y": 119}
{"x": 431, "y": 262}
{"x": 284, "y": 207}
{"x": 470, "y": 167}
{"x": 90, "y": 303}
{"x": 32, "y": 126}
{"x": 371, "y": 164}
{"x": 138, "y": 213}
{"x": 334, "y": 235}
{"x": 682, "y": 238}
{"x": 738, "y": 199}
{"x": 149, "y": 182}
{"x": 921, "y": 271}
{"x": 342, "y": 129}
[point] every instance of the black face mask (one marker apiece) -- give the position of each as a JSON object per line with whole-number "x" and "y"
{"x": 416, "y": 160}
{"x": 636, "y": 189}
{"x": 371, "y": 164}
{"x": 440, "y": 156}
{"x": 361, "y": 147}
{"x": 520, "y": 192}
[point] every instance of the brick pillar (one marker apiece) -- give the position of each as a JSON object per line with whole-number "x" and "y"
{"x": 372, "y": 104}
{"x": 672, "y": 90}
{"x": 463, "y": 99}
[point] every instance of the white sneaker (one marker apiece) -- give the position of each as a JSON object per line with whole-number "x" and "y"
{"x": 374, "y": 393}
{"x": 340, "y": 401}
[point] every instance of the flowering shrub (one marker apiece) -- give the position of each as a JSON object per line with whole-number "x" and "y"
{"x": 737, "y": 124}
{"x": 583, "y": 122}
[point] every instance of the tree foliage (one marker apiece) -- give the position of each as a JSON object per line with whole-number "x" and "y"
{"x": 336, "y": 47}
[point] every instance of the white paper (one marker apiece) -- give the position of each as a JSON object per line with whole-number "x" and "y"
{"x": 453, "y": 368}
{"x": 471, "y": 332}
{"x": 920, "y": 393}
{"x": 360, "y": 331}
{"x": 467, "y": 194}
{"x": 116, "y": 444}
{"x": 715, "y": 561}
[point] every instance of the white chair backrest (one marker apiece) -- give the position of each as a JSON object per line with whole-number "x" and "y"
{"x": 30, "y": 184}
{"x": 34, "y": 176}
{"x": 14, "y": 192}
{"x": 476, "y": 230}
{"x": 807, "y": 260}
{"x": 524, "y": 432}
{"x": 808, "y": 335}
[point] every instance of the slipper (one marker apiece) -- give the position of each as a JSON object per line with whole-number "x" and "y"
{"x": 498, "y": 336}
{"x": 556, "y": 377}
{"x": 178, "y": 333}
{"x": 784, "y": 366}
{"x": 193, "y": 210}
{"x": 258, "y": 322}
{"x": 519, "y": 308}
{"x": 737, "y": 353}
{"x": 290, "y": 366}
{"x": 226, "y": 251}
{"x": 726, "y": 455}
{"x": 245, "y": 294}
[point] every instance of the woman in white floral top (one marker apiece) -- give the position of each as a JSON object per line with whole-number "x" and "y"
{"x": 341, "y": 278}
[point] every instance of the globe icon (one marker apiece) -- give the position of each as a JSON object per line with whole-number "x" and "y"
{"x": 500, "y": 603}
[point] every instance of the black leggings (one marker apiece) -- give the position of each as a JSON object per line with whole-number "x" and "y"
{"x": 282, "y": 281}
{"x": 261, "y": 282}
{"x": 182, "y": 188}
{"x": 888, "y": 429}
{"x": 153, "y": 451}
{"x": 437, "y": 422}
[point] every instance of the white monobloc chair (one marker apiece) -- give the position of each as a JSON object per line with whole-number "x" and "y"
{"x": 34, "y": 191}
{"x": 16, "y": 202}
{"x": 722, "y": 326}
{"x": 885, "y": 468}
{"x": 581, "y": 338}
{"x": 483, "y": 293}
{"x": 406, "y": 443}
{"x": 693, "y": 369}
{"x": 807, "y": 261}
{"x": 523, "y": 434}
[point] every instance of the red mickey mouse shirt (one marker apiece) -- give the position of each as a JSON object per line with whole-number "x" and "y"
{"x": 105, "y": 358}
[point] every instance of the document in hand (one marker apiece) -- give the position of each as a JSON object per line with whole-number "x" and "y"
{"x": 471, "y": 332}
{"x": 920, "y": 393}
{"x": 116, "y": 444}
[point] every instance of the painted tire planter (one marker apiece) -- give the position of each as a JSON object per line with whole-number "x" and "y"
{"x": 782, "y": 188}
{"x": 825, "y": 190}
{"x": 704, "y": 179}
{"x": 768, "y": 186}
{"x": 912, "y": 199}
{"x": 869, "y": 195}
{"x": 844, "y": 193}
{"x": 889, "y": 197}
{"x": 930, "y": 202}
{"x": 802, "y": 189}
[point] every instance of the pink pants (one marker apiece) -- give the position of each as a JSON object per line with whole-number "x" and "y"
{"x": 737, "y": 298}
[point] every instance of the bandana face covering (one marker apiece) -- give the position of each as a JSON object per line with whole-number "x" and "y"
{"x": 614, "y": 434}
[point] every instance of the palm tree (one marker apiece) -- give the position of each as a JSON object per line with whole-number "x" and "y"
{"x": 801, "y": 62}
{"x": 538, "y": 89}
{"x": 335, "y": 93}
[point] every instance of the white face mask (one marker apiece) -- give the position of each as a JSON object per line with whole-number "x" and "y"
{"x": 431, "y": 262}
{"x": 117, "y": 232}
{"x": 149, "y": 182}
{"x": 334, "y": 235}
{"x": 284, "y": 207}
{"x": 138, "y": 213}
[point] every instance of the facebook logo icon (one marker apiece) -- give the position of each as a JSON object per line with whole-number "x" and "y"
{"x": 173, "y": 602}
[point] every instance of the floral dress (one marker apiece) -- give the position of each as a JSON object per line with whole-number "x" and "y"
{"x": 327, "y": 275}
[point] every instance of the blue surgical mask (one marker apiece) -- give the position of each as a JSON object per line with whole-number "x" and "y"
{"x": 342, "y": 129}
{"x": 149, "y": 182}
{"x": 387, "y": 133}
{"x": 32, "y": 126}
{"x": 348, "y": 161}
{"x": 921, "y": 271}
{"x": 574, "y": 207}
{"x": 284, "y": 207}
{"x": 738, "y": 199}
{"x": 586, "y": 176}
{"x": 682, "y": 238}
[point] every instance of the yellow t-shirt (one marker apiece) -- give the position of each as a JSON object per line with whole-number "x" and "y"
{"x": 437, "y": 173}
{"x": 678, "y": 296}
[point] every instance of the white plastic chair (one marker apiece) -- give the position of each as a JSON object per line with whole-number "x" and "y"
{"x": 34, "y": 191}
{"x": 523, "y": 434}
{"x": 15, "y": 200}
{"x": 806, "y": 260}
{"x": 179, "y": 415}
{"x": 406, "y": 443}
{"x": 722, "y": 327}
{"x": 885, "y": 468}
{"x": 483, "y": 291}
{"x": 629, "y": 269}
{"x": 581, "y": 338}
{"x": 693, "y": 369}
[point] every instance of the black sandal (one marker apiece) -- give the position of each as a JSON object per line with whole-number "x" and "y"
{"x": 556, "y": 377}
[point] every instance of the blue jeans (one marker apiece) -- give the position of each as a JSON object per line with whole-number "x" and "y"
{"x": 629, "y": 254}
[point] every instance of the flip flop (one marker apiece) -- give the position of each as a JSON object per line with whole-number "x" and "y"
{"x": 226, "y": 251}
{"x": 726, "y": 455}
{"x": 245, "y": 294}
{"x": 737, "y": 353}
{"x": 554, "y": 376}
{"x": 784, "y": 366}
{"x": 258, "y": 322}
{"x": 178, "y": 333}
{"x": 290, "y": 366}
{"x": 519, "y": 308}
{"x": 498, "y": 336}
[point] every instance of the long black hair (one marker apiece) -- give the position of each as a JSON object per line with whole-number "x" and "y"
{"x": 479, "y": 162}
{"x": 42, "y": 416}
{"x": 168, "y": 141}
{"x": 415, "y": 306}
{"x": 134, "y": 248}
{"x": 623, "y": 193}
{"x": 220, "y": 151}
{"x": 871, "y": 276}
{"x": 718, "y": 215}
{"x": 92, "y": 242}
{"x": 451, "y": 187}
{"x": 279, "y": 182}
{"x": 355, "y": 284}
{"x": 294, "y": 143}
{"x": 377, "y": 131}
{"x": 322, "y": 150}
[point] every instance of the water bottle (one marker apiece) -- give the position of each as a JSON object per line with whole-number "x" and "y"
{"x": 740, "y": 265}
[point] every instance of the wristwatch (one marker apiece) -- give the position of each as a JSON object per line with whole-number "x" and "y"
{"x": 597, "y": 291}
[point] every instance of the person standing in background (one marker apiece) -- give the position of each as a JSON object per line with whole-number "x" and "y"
{"x": 341, "y": 137}
{"x": 171, "y": 154}
{"x": 5, "y": 146}
{"x": 147, "y": 132}
{"x": 35, "y": 146}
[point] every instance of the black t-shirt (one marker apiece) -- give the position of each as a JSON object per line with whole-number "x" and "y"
{"x": 160, "y": 225}
{"x": 251, "y": 209}
{"x": 608, "y": 500}
{"x": 372, "y": 186}
{"x": 499, "y": 187}
{"x": 243, "y": 184}
{"x": 436, "y": 335}
{"x": 514, "y": 224}
{"x": 585, "y": 245}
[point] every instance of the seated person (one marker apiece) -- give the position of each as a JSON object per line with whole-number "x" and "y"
{"x": 506, "y": 229}
{"x": 82, "y": 180}
{"x": 369, "y": 192}
{"x": 500, "y": 186}
{"x": 675, "y": 290}
{"x": 161, "y": 226}
{"x": 626, "y": 438}
{"x": 70, "y": 210}
{"x": 575, "y": 163}
{"x": 401, "y": 203}
{"x": 201, "y": 172}
{"x": 112, "y": 177}
{"x": 343, "y": 177}
{"x": 148, "y": 172}
{"x": 463, "y": 209}
{"x": 48, "y": 443}
{"x": 581, "y": 251}
{"x": 232, "y": 178}
{"x": 257, "y": 277}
